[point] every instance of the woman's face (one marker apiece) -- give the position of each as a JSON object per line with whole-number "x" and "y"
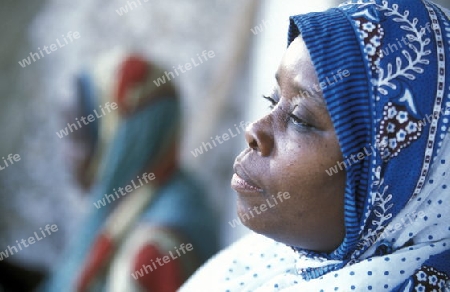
{"x": 284, "y": 191}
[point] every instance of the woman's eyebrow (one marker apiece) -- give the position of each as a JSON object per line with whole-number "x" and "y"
{"x": 305, "y": 93}
{"x": 308, "y": 90}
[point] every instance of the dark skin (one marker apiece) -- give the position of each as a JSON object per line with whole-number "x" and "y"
{"x": 289, "y": 151}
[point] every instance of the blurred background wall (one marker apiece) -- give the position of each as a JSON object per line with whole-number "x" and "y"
{"x": 248, "y": 38}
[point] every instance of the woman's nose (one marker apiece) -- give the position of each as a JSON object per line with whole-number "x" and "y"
{"x": 259, "y": 136}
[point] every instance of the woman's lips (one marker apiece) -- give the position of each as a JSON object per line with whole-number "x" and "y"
{"x": 242, "y": 184}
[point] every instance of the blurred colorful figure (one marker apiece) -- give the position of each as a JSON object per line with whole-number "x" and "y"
{"x": 151, "y": 225}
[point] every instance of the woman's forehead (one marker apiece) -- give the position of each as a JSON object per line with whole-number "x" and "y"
{"x": 296, "y": 66}
{"x": 296, "y": 73}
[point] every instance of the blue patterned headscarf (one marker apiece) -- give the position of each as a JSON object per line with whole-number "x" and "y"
{"x": 382, "y": 69}
{"x": 395, "y": 101}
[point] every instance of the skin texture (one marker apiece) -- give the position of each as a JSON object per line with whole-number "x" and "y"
{"x": 289, "y": 150}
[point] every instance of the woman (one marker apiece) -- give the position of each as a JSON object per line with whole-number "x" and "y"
{"x": 357, "y": 146}
{"x": 150, "y": 225}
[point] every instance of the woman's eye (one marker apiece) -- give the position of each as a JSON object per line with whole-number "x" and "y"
{"x": 272, "y": 101}
{"x": 299, "y": 122}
